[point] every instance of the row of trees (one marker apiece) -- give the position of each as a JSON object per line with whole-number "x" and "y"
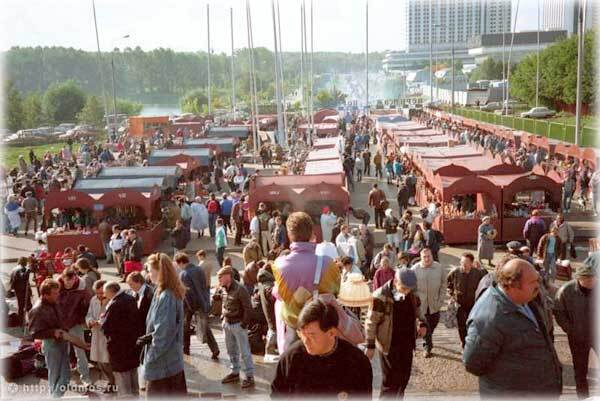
{"x": 163, "y": 75}
{"x": 61, "y": 102}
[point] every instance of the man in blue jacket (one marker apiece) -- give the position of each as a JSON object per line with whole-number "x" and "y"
{"x": 196, "y": 302}
{"x": 508, "y": 345}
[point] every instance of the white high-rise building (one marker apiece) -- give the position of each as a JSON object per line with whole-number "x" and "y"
{"x": 453, "y": 21}
{"x": 562, "y": 15}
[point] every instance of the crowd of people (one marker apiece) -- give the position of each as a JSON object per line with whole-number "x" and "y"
{"x": 284, "y": 302}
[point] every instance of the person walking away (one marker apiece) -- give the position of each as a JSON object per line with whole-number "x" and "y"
{"x": 393, "y": 323}
{"x": 368, "y": 241}
{"x": 359, "y": 166}
{"x": 534, "y": 228}
{"x": 390, "y": 225}
{"x": 462, "y": 285}
{"x": 485, "y": 240}
{"x": 31, "y": 206}
{"x": 226, "y": 206}
{"x": 328, "y": 220}
{"x": 266, "y": 283}
{"x": 199, "y": 217}
{"x": 402, "y": 197}
{"x": 196, "y": 301}
{"x": 220, "y": 241}
{"x": 566, "y": 235}
{"x": 548, "y": 249}
{"x": 328, "y": 357}
{"x": 99, "y": 348}
{"x": 568, "y": 192}
{"x": 507, "y": 341}
{"x": 295, "y": 277}
{"x": 237, "y": 214}
{"x": 431, "y": 289}
{"x": 366, "y": 156}
{"x": 575, "y": 313}
{"x": 236, "y": 314}
{"x": 19, "y": 284}
{"x": 163, "y": 341}
{"x": 73, "y": 303}
{"x": 377, "y": 160}
{"x": 45, "y": 324}
{"x": 105, "y": 231}
{"x": 431, "y": 240}
{"x": 179, "y": 236}
{"x": 122, "y": 329}
{"x": 213, "y": 208}
{"x": 378, "y": 202}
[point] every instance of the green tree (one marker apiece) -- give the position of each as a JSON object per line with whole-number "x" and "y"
{"x": 558, "y": 74}
{"x": 324, "y": 98}
{"x": 195, "y": 101}
{"x": 14, "y": 110}
{"x": 128, "y": 107}
{"x": 32, "y": 110}
{"x": 62, "y": 101}
{"x": 92, "y": 112}
{"x": 489, "y": 69}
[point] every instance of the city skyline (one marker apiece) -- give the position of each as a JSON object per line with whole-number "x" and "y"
{"x": 339, "y": 25}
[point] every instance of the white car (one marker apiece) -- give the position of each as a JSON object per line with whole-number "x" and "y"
{"x": 538, "y": 112}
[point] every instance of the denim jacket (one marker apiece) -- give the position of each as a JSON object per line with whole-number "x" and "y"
{"x": 163, "y": 357}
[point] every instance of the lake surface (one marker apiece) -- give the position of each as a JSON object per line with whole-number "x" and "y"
{"x": 160, "y": 109}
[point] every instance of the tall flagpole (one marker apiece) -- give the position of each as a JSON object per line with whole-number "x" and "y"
{"x": 208, "y": 45}
{"x": 253, "y": 69}
{"x": 277, "y": 87}
{"x": 106, "y": 112}
{"x": 580, "y": 54}
{"x": 512, "y": 40}
{"x": 302, "y": 58}
{"x": 312, "y": 117}
{"x": 367, "y": 56}
{"x": 232, "y": 66}
{"x": 537, "y": 69}
{"x": 281, "y": 91}
{"x": 430, "y": 51}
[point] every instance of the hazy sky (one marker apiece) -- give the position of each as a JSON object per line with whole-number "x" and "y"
{"x": 181, "y": 25}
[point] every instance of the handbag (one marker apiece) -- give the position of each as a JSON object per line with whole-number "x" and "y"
{"x": 564, "y": 273}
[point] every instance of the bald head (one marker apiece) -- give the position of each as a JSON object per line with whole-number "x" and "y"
{"x": 519, "y": 280}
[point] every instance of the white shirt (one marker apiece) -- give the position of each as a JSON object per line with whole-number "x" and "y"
{"x": 326, "y": 248}
{"x": 254, "y": 225}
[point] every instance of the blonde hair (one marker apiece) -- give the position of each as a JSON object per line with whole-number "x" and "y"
{"x": 168, "y": 279}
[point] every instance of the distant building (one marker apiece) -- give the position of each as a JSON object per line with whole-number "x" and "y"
{"x": 454, "y": 22}
{"x": 562, "y": 15}
{"x": 490, "y": 45}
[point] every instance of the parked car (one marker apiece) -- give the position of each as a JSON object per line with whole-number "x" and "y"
{"x": 538, "y": 112}
{"x": 64, "y": 127}
{"x": 491, "y": 106}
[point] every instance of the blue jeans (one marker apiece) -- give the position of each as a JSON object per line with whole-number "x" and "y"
{"x": 236, "y": 342}
{"x": 82, "y": 362}
{"x": 220, "y": 256}
{"x": 56, "y": 354}
{"x": 550, "y": 265}
{"x": 107, "y": 252}
{"x": 212, "y": 220}
{"x": 566, "y": 201}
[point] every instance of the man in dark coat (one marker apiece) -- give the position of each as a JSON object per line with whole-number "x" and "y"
{"x": 402, "y": 197}
{"x": 121, "y": 327}
{"x": 19, "y": 283}
{"x": 508, "y": 345}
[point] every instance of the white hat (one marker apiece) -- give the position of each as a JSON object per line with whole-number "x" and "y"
{"x": 388, "y": 212}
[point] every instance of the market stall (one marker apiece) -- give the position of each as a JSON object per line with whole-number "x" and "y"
{"x": 187, "y": 163}
{"x": 521, "y": 194}
{"x": 239, "y": 131}
{"x": 461, "y": 151}
{"x": 171, "y": 174}
{"x": 132, "y": 208}
{"x": 321, "y": 129}
{"x": 221, "y": 146}
{"x": 465, "y": 200}
{"x": 429, "y": 141}
{"x": 324, "y": 167}
{"x": 100, "y": 186}
{"x": 323, "y": 154}
{"x": 329, "y": 142}
{"x": 201, "y": 156}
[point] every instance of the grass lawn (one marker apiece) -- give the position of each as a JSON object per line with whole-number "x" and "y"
{"x": 10, "y": 154}
{"x": 587, "y": 121}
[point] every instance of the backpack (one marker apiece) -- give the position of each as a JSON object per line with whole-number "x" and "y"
{"x": 349, "y": 327}
{"x": 213, "y": 206}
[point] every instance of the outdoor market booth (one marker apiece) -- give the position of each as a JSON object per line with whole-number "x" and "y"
{"x": 324, "y": 167}
{"x": 172, "y": 157}
{"x": 225, "y": 147}
{"x": 171, "y": 174}
{"x": 139, "y": 208}
{"x": 321, "y": 129}
{"x": 329, "y": 142}
{"x": 238, "y": 131}
{"x": 521, "y": 194}
{"x": 429, "y": 141}
{"x": 309, "y": 193}
{"x": 189, "y": 126}
{"x": 399, "y": 132}
{"x": 465, "y": 200}
{"x": 321, "y": 114}
{"x": 460, "y": 151}
{"x": 323, "y": 154}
